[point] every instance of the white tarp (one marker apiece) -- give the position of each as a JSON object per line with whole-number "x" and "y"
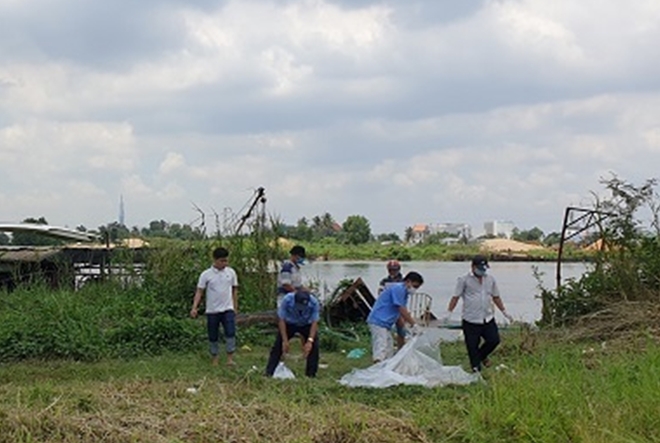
{"x": 417, "y": 363}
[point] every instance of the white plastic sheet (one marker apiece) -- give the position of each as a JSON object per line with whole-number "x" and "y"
{"x": 283, "y": 372}
{"x": 417, "y": 363}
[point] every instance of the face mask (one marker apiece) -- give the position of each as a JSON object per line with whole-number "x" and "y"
{"x": 479, "y": 272}
{"x": 411, "y": 290}
{"x": 300, "y": 261}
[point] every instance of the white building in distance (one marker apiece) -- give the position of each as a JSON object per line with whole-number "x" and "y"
{"x": 419, "y": 232}
{"x": 499, "y": 228}
{"x": 459, "y": 230}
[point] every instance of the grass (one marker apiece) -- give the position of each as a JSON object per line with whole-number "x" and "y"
{"x": 547, "y": 391}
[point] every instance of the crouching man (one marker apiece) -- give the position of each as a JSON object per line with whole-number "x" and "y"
{"x": 298, "y": 314}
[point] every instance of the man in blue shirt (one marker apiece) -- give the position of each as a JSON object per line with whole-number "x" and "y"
{"x": 390, "y": 309}
{"x": 298, "y": 313}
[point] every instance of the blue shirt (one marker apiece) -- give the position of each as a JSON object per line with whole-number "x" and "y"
{"x": 386, "y": 309}
{"x": 290, "y": 314}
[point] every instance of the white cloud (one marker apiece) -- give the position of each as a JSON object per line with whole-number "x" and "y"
{"x": 172, "y": 162}
{"x": 512, "y": 110}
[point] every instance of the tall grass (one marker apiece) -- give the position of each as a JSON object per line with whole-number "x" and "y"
{"x": 549, "y": 393}
{"x": 122, "y": 316}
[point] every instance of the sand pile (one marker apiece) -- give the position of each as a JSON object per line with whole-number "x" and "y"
{"x": 506, "y": 245}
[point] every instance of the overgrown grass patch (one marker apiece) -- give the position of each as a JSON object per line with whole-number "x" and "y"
{"x": 558, "y": 392}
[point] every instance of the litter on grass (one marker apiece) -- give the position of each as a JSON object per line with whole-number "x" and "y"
{"x": 418, "y": 363}
{"x": 283, "y": 372}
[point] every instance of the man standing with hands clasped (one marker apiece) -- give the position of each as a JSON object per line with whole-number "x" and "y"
{"x": 479, "y": 293}
{"x": 220, "y": 284}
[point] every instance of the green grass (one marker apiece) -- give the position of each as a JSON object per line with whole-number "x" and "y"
{"x": 547, "y": 392}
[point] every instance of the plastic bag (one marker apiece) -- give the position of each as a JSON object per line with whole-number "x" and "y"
{"x": 282, "y": 372}
{"x": 418, "y": 363}
{"x": 356, "y": 353}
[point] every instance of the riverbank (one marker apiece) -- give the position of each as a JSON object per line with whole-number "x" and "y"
{"x": 332, "y": 251}
{"x": 541, "y": 388}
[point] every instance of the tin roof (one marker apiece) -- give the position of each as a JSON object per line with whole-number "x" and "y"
{"x": 52, "y": 231}
{"x": 27, "y": 253}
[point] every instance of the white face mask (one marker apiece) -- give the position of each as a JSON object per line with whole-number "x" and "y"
{"x": 479, "y": 272}
{"x": 411, "y": 290}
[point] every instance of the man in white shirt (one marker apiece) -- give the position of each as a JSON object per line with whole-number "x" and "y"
{"x": 220, "y": 284}
{"x": 479, "y": 293}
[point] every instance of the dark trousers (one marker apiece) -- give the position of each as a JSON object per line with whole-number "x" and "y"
{"x": 473, "y": 333}
{"x": 276, "y": 351}
{"x": 228, "y": 321}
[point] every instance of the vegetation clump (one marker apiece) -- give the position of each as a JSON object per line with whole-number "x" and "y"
{"x": 619, "y": 294}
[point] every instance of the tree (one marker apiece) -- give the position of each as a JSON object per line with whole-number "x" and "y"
{"x": 4, "y": 239}
{"x": 438, "y": 237}
{"x": 356, "y": 230}
{"x": 552, "y": 239}
{"x": 114, "y": 231}
{"x": 324, "y": 226}
{"x": 390, "y": 237}
{"x": 534, "y": 234}
{"x": 408, "y": 234}
{"x": 302, "y": 230}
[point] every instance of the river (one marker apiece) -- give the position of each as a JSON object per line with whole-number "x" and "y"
{"x": 516, "y": 281}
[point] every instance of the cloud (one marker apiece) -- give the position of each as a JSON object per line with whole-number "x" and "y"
{"x": 402, "y": 111}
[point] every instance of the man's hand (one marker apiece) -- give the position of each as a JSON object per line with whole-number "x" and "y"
{"x": 285, "y": 346}
{"x": 193, "y": 312}
{"x": 507, "y": 316}
{"x": 307, "y": 348}
{"x": 416, "y": 330}
{"x": 444, "y": 320}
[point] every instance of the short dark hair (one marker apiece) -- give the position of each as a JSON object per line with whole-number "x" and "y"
{"x": 220, "y": 253}
{"x": 414, "y": 277}
{"x": 298, "y": 250}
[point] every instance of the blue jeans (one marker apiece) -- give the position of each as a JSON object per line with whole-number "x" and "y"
{"x": 228, "y": 321}
{"x": 473, "y": 333}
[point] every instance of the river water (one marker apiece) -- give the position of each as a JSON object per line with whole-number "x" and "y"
{"x": 516, "y": 281}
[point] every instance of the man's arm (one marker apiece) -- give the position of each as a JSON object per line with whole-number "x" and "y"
{"x": 452, "y": 303}
{"x": 307, "y": 348}
{"x": 234, "y": 296}
{"x": 405, "y": 314}
{"x": 497, "y": 300}
{"x": 196, "y": 300}
{"x": 285, "y": 337}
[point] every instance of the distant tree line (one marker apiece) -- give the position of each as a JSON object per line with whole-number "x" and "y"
{"x": 355, "y": 230}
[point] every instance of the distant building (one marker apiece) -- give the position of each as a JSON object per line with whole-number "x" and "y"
{"x": 499, "y": 228}
{"x": 455, "y": 232}
{"x": 458, "y": 230}
{"x": 419, "y": 233}
{"x": 121, "y": 210}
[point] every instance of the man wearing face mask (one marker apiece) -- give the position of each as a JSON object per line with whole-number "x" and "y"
{"x": 390, "y": 309}
{"x": 479, "y": 293}
{"x": 289, "y": 278}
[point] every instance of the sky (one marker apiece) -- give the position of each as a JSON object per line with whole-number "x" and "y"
{"x": 408, "y": 111}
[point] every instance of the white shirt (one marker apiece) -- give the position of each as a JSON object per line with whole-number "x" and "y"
{"x": 477, "y": 297}
{"x": 218, "y": 285}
